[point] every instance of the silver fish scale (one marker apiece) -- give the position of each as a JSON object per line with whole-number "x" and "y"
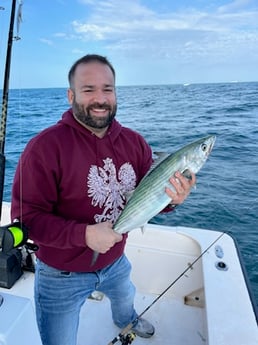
{"x": 149, "y": 198}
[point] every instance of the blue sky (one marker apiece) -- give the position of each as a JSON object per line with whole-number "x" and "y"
{"x": 148, "y": 41}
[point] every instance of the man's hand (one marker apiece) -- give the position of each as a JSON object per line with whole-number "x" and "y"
{"x": 182, "y": 187}
{"x": 101, "y": 237}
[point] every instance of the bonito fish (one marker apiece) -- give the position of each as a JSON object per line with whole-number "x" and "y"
{"x": 149, "y": 197}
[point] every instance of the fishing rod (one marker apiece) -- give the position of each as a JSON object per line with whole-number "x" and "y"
{"x": 125, "y": 337}
{"x": 5, "y": 100}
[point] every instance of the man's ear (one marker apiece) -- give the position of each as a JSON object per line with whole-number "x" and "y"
{"x": 70, "y": 95}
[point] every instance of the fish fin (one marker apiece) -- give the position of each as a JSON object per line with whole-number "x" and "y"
{"x": 158, "y": 157}
{"x": 143, "y": 228}
{"x": 96, "y": 295}
{"x": 94, "y": 258}
{"x": 187, "y": 174}
{"x": 128, "y": 195}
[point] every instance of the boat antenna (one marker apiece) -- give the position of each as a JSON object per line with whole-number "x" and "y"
{"x": 5, "y": 99}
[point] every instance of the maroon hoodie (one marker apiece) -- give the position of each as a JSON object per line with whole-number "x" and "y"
{"x": 67, "y": 178}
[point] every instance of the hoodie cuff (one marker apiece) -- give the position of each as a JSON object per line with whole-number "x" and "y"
{"x": 79, "y": 236}
{"x": 169, "y": 208}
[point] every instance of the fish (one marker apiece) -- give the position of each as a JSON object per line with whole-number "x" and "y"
{"x": 149, "y": 197}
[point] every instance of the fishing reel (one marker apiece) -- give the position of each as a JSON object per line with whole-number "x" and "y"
{"x": 12, "y": 237}
{"x": 128, "y": 338}
{"x": 125, "y": 339}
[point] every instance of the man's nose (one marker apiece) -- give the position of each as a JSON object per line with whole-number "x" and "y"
{"x": 100, "y": 96}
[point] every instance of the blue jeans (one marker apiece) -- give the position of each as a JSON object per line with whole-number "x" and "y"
{"x": 60, "y": 295}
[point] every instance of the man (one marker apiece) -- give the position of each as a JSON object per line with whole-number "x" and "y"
{"x": 69, "y": 188}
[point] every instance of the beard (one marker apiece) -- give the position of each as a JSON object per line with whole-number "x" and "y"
{"x": 83, "y": 115}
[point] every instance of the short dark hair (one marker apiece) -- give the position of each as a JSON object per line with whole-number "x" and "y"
{"x": 87, "y": 59}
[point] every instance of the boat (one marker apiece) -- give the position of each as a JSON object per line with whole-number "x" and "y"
{"x": 190, "y": 284}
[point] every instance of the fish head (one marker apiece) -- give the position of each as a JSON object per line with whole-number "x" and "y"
{"x": 197, "y": 153}
{"x": 207, "y": 144}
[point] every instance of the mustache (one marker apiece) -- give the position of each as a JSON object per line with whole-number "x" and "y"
{"x": 104, "y": 106}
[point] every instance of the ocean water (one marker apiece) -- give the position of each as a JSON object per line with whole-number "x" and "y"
{"x": 170, "y": 116}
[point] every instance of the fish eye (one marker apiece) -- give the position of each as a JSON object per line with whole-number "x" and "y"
{"x": 204, "y": 147}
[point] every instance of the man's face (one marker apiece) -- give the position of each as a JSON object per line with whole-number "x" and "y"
{"x": 93, "y": 97}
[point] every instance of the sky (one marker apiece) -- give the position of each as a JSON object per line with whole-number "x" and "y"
{"x": 148, "y": 41}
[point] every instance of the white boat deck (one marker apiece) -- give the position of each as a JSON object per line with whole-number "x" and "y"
{"x": 167, "y": 316}
{"x": 96, "y": 326}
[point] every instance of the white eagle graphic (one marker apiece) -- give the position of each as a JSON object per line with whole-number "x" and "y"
{"x": 108, "y": 190}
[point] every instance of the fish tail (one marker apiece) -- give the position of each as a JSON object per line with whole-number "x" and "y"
{"x": 94, "y": 258}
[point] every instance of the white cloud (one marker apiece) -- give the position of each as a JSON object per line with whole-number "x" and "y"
{"x": 109, "y": 21}
{"x": 92, "y": 31}
{"x": 46, "y": 41}
{"x": 234, "y": 6}
{"x": 190, "y": 36}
